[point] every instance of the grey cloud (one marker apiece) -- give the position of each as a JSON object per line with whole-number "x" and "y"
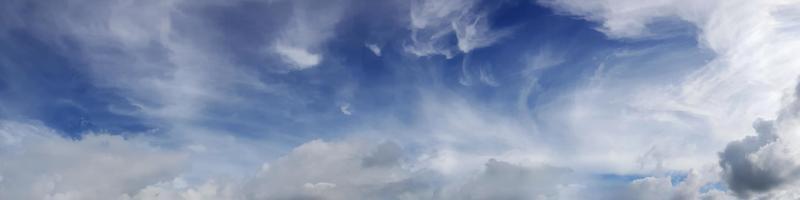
{"x": 503, "y": 180}
{"x": 39, "y": 164}
{"x": 386, "y": 154}
{"x": 742, "y": 174}
{"x": 766, "y": 161}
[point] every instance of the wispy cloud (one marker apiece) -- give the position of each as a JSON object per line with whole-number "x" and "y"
{"x": 309, "y": 27}
{"x": 433, "y": 23}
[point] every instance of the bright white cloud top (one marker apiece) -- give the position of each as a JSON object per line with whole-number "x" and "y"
{"x": 418, "y": 99}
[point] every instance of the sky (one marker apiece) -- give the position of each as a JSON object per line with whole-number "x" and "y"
{"x": 399, "y": 99}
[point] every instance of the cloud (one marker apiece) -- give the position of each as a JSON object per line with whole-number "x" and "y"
{"x": 43, "y": 165}
{"x": 345, "y": 109}
{"x": 743, "y": 173}
{"x": 433, "y": 23}
{"x": 487, "y": 78}
{"x": 665, "y": 187}
{"x": 333, "y": 170}
{"x": 178, "y": 189}
{"x": 630, "y": 19}
{"x": 357, "y": 170}
{"x": 473, "y": 32}
{"x": 502, "y": 180}
{"x": 535, "y": 63}
{"x": 299, "y": 58}
{"x": 694, "y": 184}
{"x": 310, "y": 25}
{"x": 374, "y": 48}
{"x": 768, "y": 160}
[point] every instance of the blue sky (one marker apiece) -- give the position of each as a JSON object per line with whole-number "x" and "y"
{"x": 419, "y": 99}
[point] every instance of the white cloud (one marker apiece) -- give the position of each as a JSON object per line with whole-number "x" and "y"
{"x": 473, "y": 32}
{"x": 177, "y": 189}
{"x": 374, "y": 48}
{"x": 321, "y": 186}
{"x": 345, "y": 109}
{"x": 299, "y": 58}
{"x": 502, "y": 180}
{"x": 630, "y": 18}
{"x": 544, "y": 58}
{"x": 310, "y": 25}
{"x": 487, "y": 78}
{"x": 434, "y": 21}
{"x": 750, "y": 67}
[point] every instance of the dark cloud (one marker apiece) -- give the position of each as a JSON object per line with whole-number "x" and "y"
{"x": 741, "y": 173}
{"x": 386, "y": 154}
{"x": 756, "y": 164}
{"x": 503, "y": 180}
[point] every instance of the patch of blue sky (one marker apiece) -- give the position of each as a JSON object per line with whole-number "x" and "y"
{"x": 720, "y": 186}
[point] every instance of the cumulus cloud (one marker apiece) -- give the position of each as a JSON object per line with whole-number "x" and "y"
{"x": 768, "y": 160}
{"x": 40, "y": 164}
{"x": 502, "y": 180}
